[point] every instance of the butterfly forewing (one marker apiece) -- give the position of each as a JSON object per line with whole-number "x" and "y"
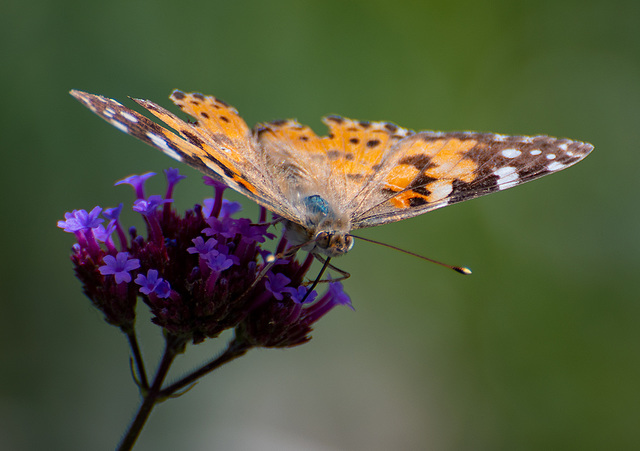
{"x": 218, "y": 158}
{"x": 432, "y": 169}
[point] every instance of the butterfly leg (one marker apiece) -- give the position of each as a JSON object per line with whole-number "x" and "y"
{"x": 343, "y": 274}
{"x": 263, "y": 222}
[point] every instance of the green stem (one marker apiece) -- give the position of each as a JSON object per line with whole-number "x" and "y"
{"x": 173, "y": 346}
{"x": 137, "y": 357}
{"x": 234, "y": 350}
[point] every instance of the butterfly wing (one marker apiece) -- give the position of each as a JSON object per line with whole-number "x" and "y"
{"x": 219, "y": 143}
{"x": 431, "y": 170}
{"x": 372, "y": 172}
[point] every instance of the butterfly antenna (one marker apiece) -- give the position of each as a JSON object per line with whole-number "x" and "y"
{"x": 460, "y": 269}
{"x": 315, "y": 282}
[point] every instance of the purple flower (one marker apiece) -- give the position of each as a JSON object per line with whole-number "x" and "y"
{"x": 208, "y": 206}
{"x": 163, "y": 290}
{"x": 119, "y": 266}
{"x": 225, "y": 287}
{"x": 334, "y": 296}
{"x": 149, "y": 206}
{"x": 173, "y": 177}
{"x": 276, "y": 284}
{"x": 137, "y": 181}
{"x": 298, "y": 294}
{"x": 202, "y": 247}
{"x": 219, "y": 190}
{"x": 80, "y": 220}
{"x": 218, "y": 262}
{"x": 151, "y": 283}
{"x": 112, "y": 213}
{"x": 229, "y": 208}
{"x": 213, "y": 182}
{"x": 70, "y": 223}
{"x": 104, "y": 234}
{"x": 338, "y": 296}
{"x": 226, "y": 227}
{"x": 287, "y": 323}
{"x": 251, "y": 232}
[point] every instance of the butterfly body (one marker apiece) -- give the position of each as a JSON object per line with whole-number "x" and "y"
{"x": 361, "y": 174}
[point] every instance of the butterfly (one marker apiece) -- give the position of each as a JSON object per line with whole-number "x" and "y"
{"x": 361, "y": 174}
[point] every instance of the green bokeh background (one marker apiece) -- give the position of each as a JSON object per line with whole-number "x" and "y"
{"x": 539, "y": 349}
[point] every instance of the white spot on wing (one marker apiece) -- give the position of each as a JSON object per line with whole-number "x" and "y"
{"x": 439, "y": 190}
{"x": 507, "y": 177}
{"x": 551, "y": 156}
{"x": 162, "y": 144}
{"x": 109, "y": 112}
{"x": 119, "y": 125}
{"x": 129, "y": 116}
{"x": 511, "y": 153}
{"x": 555, "y": 166}
{"x": 563, "y": 146}
{"x": 535, "y": 152}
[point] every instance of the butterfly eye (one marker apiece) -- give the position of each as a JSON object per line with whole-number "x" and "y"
{"x": 323, "y": 239}
{"x": 348, "y": 242}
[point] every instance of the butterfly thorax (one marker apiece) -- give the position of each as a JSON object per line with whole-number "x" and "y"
{"x": 324, "y": 231}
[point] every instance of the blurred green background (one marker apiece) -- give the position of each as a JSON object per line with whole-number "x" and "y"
{"x": 539, "y": 349}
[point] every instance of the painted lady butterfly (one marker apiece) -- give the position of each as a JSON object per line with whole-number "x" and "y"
{"x": 361, "y": 174}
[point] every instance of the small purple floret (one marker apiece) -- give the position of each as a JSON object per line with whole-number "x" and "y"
{"x": 119, "y": 266}
{"x": 339, "y": 297}
{"x": 229, "y": 208}
{"x": 218, "y": 262}
{"x": 104, "y": 234}
{"x": 276, "y": 284}
{"x": 137, "y": 181}
{"x": 298, "y": 294}
{"x": 201, "y": 246}
{"x": 112, "y": 213}
{"x": 173, "y": 176}
{"x": 81, "y": 220}
{"x": 213, "y": 182}
{"x": 151, "y": 283}
{"x": 149, "y": 206}
{"x": 208, "y": 205}
{"x": 163, "y": 289}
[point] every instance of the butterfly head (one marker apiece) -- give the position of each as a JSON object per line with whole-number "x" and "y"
{"x": 333, "y": 244}
{"x": 326, "y": 241}
{"x": 324, "y": 231}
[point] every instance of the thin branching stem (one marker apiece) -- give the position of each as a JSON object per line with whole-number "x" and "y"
{"x": 173, "y": 346}
{"x": 234, "y": 350}
{"x": 137, "y": 357}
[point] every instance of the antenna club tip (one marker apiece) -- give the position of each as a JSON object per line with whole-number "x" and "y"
{"x": 463, "y": 270}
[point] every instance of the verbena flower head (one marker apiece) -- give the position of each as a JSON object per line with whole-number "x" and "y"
{"x": 200, "y": 272}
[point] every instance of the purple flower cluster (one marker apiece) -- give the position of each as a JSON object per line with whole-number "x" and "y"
{"x": 200, "y": 273}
